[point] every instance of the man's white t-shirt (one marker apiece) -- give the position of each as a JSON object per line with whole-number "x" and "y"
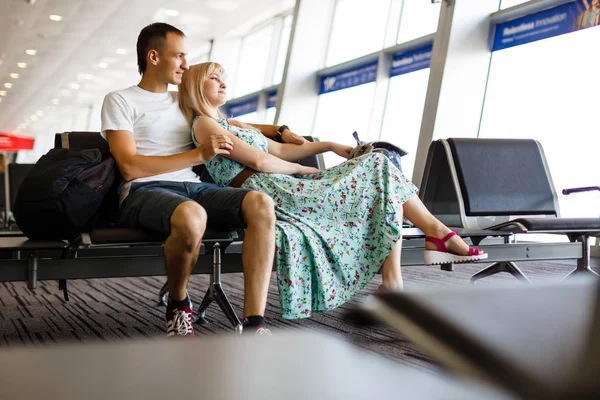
{"x": 159, "y": 128}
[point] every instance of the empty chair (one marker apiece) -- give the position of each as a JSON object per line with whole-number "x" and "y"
{"x": 486, "y": 183}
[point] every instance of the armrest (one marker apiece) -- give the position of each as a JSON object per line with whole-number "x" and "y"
{"x": 580, "y": 189}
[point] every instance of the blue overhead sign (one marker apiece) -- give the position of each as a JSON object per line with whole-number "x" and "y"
{"x": 555, "y": 21}
{"x": 410, "y": 61}
{"x": 271, "y": 99}
{"x": 349, "y": 78}
{"x": 241, "y": 108}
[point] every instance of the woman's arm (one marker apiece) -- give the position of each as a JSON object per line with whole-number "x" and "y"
{"x": 293, "y": 152}
{"x": 246, "y": 154}
{"x": 271, "y": 131}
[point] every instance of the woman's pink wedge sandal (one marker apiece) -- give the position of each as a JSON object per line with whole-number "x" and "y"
{"x": 443, "y": 256}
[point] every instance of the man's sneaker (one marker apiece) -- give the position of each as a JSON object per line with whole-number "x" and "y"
{"x": 256, "y": 331}
{"x": 262, "y": 331}
{"x": 179, "y": 322}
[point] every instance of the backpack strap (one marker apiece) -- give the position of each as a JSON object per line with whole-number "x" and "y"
{"x": 64, "y": 140}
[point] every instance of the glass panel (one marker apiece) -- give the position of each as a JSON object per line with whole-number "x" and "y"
{"x": 358, "y": 29}
{"x": 403, "y": 114}
{"x": 419, "y": 18}
{"x": 340, "y": 113}
{"x": 547, "y": 90}
{"x": 249, "y": 118}
{"x": 226, "y": 53}
{"x": 253, "y": 61}
{"x": 270, "y": 115}
{"x": 198, "y": 51}
{"x": 282, "y": 50}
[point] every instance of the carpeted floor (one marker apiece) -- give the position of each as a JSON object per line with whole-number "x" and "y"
{"x": 114, "y": 309}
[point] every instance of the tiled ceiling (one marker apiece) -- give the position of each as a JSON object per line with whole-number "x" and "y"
{"x": 77, "y": 61}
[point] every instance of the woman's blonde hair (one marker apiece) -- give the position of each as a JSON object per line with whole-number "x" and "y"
{"x": 192, "y": 100}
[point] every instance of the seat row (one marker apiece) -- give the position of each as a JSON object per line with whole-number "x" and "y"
{"x": 473, "y": 185}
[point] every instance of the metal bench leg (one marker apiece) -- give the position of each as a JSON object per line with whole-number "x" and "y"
{"x": 206, "y": 301}
{"x": 162, "y": 295}
{"x": 32, "y": 264}
{"x": 583, "y": 263}
{"x": 226, "y": 307}
{"x": 215, "y": 292}
{"x": 62, "y": 285}
{"x": 502, "y": 266}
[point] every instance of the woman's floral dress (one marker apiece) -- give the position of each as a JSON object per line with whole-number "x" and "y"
{"x": 334, "y": 229}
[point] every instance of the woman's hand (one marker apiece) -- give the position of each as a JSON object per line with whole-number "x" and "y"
{"x": 341, "y": 150}
{"x": 215, "y": 144}
{"x": 288, "y": 136}
{"x": 303, "y": 170}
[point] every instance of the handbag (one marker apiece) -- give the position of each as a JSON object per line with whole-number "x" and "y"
{"x": 391, "y": 151}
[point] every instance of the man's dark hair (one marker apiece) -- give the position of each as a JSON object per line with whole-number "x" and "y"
{"x": 152, "y": 37}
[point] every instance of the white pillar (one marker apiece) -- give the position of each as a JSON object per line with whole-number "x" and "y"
{"x": 297, "y": 96}
{"x": 458, "y": 74}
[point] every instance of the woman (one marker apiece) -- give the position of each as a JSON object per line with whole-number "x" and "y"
{"x": 335, "y": 228}
{"x": 590, "y": 17}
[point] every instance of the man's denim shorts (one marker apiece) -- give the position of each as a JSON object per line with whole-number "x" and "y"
{"x": 151, "y": 204}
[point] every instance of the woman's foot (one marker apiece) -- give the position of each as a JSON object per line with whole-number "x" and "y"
{"x": 388, "y": 288}
{"x": 381, "y": 289}
{"x": 450, "y": 248}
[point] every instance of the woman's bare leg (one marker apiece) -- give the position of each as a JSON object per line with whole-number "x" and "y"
{"x": 416, "y": 212}
{"x": 391, "y": 273}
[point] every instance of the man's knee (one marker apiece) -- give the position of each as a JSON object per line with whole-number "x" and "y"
{"x": 258, "y": 208}
{"x": 188, "y": 223}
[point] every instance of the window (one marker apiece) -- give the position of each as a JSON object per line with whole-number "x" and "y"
{"x": 358, "y": 29}
{"x": 547, "y": 90}
{"x": 342, "y": 112}
{"x": 253, "y": 61}
{"x": 198, "y": 51}
{"x": 249, "y": 118}
{"x": 245, "y": 110}
{"x": 403, "y": 114}
{"x": 284, "y": 42}
{"x": 270, "y": 115}
{"x": 419, "y": 18}
{"x": 226, "y": 52}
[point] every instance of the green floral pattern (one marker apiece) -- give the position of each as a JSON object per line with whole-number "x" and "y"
{"x": 334, "y": 229}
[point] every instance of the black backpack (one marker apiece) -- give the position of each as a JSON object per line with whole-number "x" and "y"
{"x": 69, "y": 191}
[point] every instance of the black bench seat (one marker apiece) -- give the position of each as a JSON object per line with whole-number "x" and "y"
{"x": 503, "y": 185}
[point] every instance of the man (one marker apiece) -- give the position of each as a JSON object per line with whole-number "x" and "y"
{"x": 150, "y": 140}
